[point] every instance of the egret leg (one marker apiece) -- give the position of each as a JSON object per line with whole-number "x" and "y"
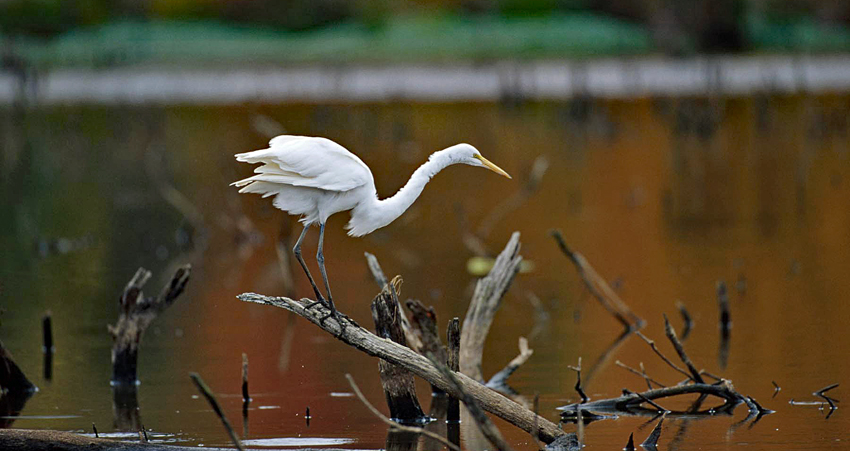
{"x": 297, "y": 251}
{"x": 320, "y": 258}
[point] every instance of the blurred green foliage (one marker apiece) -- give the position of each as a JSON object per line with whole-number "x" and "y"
{"x": 390, "y": 29}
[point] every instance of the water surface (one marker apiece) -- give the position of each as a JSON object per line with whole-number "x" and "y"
{"x": 664, "y": 196}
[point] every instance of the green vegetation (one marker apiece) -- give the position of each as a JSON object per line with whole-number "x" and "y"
{"x": 46, "y": 33}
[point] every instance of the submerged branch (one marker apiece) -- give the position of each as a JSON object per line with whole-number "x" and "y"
{"x": 630, "y": 403}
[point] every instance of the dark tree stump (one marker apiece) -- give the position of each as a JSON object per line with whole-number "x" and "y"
{"x": 125, "y": 408}
{"x": 398, "y": 382}
{"x": 15, "y": 388}
{"x": 137, "y": 313}
{"x": 12, "y": 379}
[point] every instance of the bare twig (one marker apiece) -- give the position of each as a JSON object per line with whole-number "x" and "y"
{"x": 375, "y": 269}
{"x": 646, "y": 376}
{"x": 652, "y": 345}
{"x": 646, "y": 400}
{"x": 641, "y": 373}
{"x": 393, "y": 424}
{"x": 599, "y": 287}
{"x": 202, "y": 387}
{"x": 501, "y": 378}
{"x": 776, "y": 389}
{"x": 822, "y": 394}
{"x": 686, "y": 317}
{"x": 396, "y": 354}
{"x": 680, "y": 350}
{"x": 630, "y": 446}
{"x": 711, "y": 375}
{"x": 578, "y": 389}
{"x": 825, "y": 389}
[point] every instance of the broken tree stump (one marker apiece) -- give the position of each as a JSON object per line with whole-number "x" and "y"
{"x": 137, "y": 313}
{"x": 398, "y": 382}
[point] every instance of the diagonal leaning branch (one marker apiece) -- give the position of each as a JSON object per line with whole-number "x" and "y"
{"x": 419, "y": 365}
{"x": 599, "y": 288}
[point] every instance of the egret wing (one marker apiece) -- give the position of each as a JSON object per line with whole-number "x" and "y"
{"x": 309, "y": 162}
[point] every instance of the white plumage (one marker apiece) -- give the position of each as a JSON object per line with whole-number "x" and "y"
{"x": 316, "y": 177}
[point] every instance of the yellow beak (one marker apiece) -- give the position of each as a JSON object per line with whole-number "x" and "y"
{"x": 489, "y": 165}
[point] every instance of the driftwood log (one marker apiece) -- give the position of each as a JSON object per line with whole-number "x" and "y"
{"x": 419, "y": 365}
{"x": 40, "y": 440}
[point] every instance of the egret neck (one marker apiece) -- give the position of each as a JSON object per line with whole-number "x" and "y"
{"x": 375, "y": 213}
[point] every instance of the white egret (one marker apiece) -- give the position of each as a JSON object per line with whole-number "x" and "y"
{"x": 316, "y": 177}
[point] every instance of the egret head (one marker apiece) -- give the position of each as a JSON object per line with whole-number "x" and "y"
{"x": 468, "y": 154}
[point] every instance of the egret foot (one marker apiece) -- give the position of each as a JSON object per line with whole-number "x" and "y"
{"x": 334, "y": 313}
{"x": 321, "y": 302}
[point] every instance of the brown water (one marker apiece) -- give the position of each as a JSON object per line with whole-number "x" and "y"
{"x": 665, "y": 197}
